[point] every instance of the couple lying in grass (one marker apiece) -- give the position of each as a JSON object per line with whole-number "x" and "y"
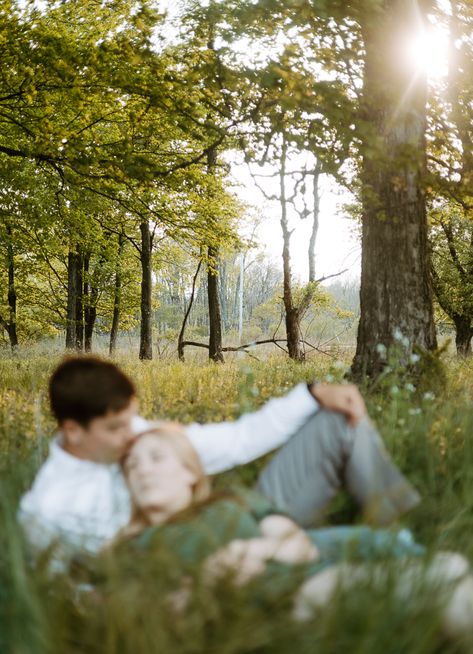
{"x": 115, "y": 483}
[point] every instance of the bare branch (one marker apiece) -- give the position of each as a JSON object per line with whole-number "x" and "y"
{"x": 322, "y": 279}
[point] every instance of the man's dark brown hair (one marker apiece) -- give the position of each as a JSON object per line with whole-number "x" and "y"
{"x": 86, "y": 387}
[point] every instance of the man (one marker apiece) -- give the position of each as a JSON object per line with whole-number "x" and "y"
{"x": 79, "y": 499}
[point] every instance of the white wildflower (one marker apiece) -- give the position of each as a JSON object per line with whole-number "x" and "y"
{"x": 414, "y": 358}
{"x": 410, "y": 387}
{"x": 429, "y": 397}
{"x": 415, "y": 412}
{"x": 397, "y": 334}
{"x": 329, "y": 378}
{"x": 394, "y": 390}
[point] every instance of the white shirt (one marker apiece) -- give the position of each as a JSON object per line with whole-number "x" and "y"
{"x": 76, "y": 503}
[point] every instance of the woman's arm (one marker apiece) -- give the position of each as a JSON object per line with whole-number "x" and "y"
{"x": 281, "y": 540}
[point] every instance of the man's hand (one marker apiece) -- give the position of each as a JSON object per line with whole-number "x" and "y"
{"x": 344, "y": 398}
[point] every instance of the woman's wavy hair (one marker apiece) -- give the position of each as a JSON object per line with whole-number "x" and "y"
{"x": 174, "y": 434}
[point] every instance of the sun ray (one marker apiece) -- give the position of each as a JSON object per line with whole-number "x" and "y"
{"x": 427, "y": 51}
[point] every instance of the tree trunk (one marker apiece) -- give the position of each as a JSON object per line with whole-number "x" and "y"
{"x": 180, "y": 339}
{"x": 396, "y": 292}
{"x": 215, "y": 319}
{"x": 215, "y": 322}
{"x": 90, "y": 318}
{"x": 146, "y": 344}
{"x": 463, "y": 335}
{"x": 291, "y": 311}
{"x": 12, "y": 334}
{"x": 89, "y": 300}
{"x": 315, "y": 221}
{"x": 80, "y": 304}
{"x": 116, "y": 298}
{"x": 222, "y": 290}
{"x": 72, "y": 293}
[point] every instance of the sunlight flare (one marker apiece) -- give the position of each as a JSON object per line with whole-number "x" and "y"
{"x": 427, "y": 51}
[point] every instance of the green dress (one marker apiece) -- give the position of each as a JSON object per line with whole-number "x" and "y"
{"x": 200, "y": 531}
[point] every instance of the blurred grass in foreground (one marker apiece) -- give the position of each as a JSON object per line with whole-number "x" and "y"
{"x": 430, "y": 436}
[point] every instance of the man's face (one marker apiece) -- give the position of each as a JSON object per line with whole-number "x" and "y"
{"x": 105, "y": 439}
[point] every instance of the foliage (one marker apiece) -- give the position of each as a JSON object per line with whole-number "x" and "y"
{"x": 451, "y": 237}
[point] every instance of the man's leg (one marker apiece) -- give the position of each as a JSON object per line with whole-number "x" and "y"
{"x": 326, "y": 454}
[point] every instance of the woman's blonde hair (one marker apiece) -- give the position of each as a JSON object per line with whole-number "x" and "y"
{"x": 174, "y": 435}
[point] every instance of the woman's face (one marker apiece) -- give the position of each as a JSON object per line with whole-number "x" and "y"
{"x": 159, "y": 483}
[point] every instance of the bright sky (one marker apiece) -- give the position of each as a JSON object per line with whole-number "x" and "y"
{"x": 337, "y": 245}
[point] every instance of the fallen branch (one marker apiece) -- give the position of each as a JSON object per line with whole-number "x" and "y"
{"x": 266, "y": 341}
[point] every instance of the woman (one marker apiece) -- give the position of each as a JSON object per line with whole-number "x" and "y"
{"x": 240, "y": 535}
{"x": 237, "y": 531}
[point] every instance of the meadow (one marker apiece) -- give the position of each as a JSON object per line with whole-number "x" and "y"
{"x": 428, "y": 428}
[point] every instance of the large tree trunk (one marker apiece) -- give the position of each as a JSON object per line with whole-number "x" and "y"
{"x": 396, "y": 292}
{"x": 116, "y": 297}
{"x": 291, "y": 311}
{"x": 146, "y": 344}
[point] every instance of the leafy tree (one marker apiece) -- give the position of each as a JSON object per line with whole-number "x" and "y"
{"x": 450, "y": 137}
{"x": 452, "y": 245}
{"x": 334, "y": 48}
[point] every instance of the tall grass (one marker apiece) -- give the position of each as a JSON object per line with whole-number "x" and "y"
{"x": 431, "y": 437}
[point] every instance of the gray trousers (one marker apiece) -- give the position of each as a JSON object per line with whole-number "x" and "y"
{"x": 327, "y": 454}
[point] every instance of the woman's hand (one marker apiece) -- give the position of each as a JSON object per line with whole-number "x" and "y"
{"x": 292, "y": 545}
{"x": 243, "y": 559}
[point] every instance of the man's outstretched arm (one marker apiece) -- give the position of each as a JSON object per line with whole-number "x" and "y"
{"x": 222, "y": 446}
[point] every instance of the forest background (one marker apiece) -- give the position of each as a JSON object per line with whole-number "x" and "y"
{"x": 119, "y": 216}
